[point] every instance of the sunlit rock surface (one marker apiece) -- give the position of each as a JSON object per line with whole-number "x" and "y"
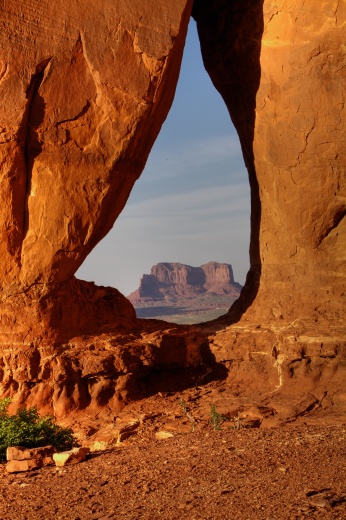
{"x": 280, "y": 67}
{"x": 84, "y": 89}
{"x": 172, "y": 281}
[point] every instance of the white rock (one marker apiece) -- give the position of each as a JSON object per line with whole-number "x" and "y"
{"x": 70, "y": 457}
{"x": 163, "y": 435}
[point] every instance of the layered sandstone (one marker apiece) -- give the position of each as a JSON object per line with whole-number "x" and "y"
{"x": 84, "y": 90}
{"x": 284, "y": 88}
{"x": 172, "y": 280}
{"x": 95, "y": 376}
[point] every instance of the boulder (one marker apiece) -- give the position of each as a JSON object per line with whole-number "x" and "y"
{"x": 22, "y": 453}
{"x": 123, "y": 432}
{"x": 20, "y": 466}
{"x": 22, "y": 459}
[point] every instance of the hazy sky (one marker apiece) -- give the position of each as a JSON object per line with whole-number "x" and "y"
{"x": 192, "y": 202}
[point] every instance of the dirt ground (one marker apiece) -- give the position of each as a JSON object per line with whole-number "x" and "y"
{"x": 287, "y": 472}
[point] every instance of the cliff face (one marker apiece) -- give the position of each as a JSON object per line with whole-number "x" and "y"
{"x": 84, "y": 90}
{"x": 172, "y": 280}
{"x": 280, "y": 68}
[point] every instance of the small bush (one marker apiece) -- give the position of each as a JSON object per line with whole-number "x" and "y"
{"x": 26, "y": 428}
{"x": 216, "y": 418}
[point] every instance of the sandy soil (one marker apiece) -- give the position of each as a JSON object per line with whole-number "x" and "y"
{"x": 288, "y": 472}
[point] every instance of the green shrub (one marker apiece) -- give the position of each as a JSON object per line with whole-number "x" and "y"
{"x": 216, "y": 418}
{"x": 26, "y": 428}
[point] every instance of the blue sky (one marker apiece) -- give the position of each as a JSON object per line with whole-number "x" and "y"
{"x": 192, "y": 202}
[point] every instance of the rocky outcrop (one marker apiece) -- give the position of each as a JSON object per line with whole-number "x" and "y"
{"x": 52, "y": 314}
{"x": 219, "y": 279}
{"x": 280, "y": 67}
{"x": 74, "y": 456}
{"x": 169, "y": 281}
{"x": 84, "y": 90}
{"x": 83, "y": 94}
{"x": 22, "y": 459}
{"x": 27, "y": 459}
{"x": 102, "y": 372}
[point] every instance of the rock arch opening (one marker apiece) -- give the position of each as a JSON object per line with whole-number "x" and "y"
{"x": 231, "y": 36}
{"x": 190, "y": 205}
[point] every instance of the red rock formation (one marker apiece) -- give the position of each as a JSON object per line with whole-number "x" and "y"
{"x": 219, "y": 279}
{"x": 84, "y": 90}
{"x": 173, "y": 280}
{"x": 102, "y": 372}
{"x": 280, "y": 67}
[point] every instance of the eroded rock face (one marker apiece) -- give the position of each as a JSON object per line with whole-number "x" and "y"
{"x": 280, "y": 67}
{"x": 281, "y": 74}
{"x": 84, "y": 90}
{"x": 102, "y": 372}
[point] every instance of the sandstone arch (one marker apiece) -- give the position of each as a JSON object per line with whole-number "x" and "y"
{"x": 68, "y": 162}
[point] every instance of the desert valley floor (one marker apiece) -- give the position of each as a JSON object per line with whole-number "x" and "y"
{"x": 294, "y": 470}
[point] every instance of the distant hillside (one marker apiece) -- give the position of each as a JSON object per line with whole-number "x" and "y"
{"x": 171, "y": 282}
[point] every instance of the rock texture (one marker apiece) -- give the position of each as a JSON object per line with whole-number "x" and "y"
{"x": 74, "y": 456}
{"x": 281, "y": 69}
{"x": 96, "y": 375}
{"x": 170, "y": 281}
{"x": 84, "y": 90}
{"x": 27, "y": 459}
{"x": 22, "y": 453}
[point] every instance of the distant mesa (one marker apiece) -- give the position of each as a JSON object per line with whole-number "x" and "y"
{"x": 173, "y": 281}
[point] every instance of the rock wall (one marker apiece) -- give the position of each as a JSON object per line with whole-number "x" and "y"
{"x": 280, "y": 67}
{"x": 84, "y": 90}
{"x": 219, "y": 278}
{"x": 280, "y": 74}
{"x": 178, "y": 274}
{"x": 92, "y": 377}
